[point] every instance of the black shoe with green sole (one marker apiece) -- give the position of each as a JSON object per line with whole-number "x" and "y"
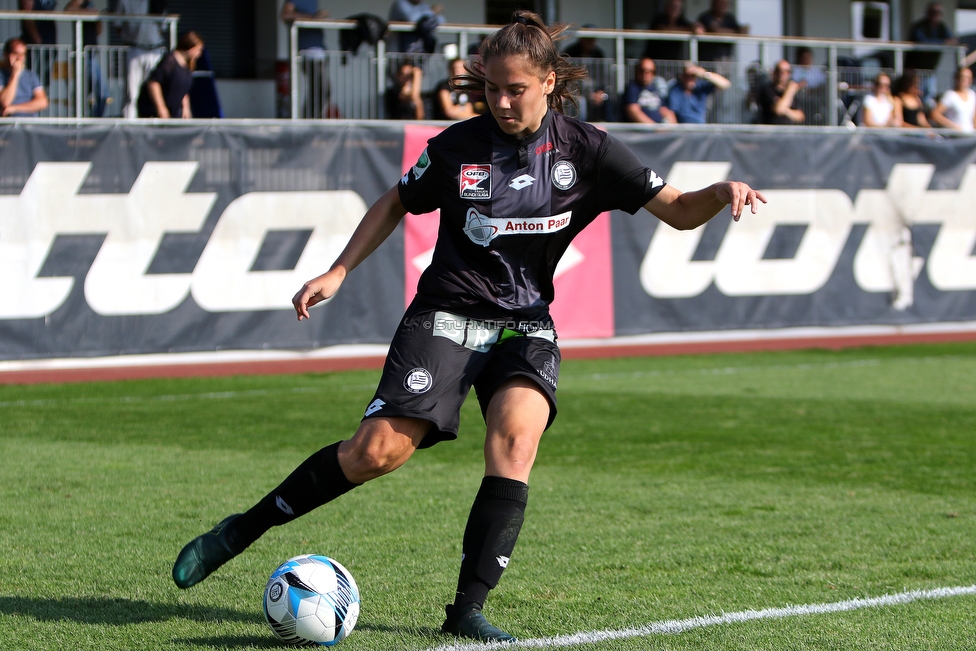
{"x": 202, "y": 555}
{"x": 468, "y": 622}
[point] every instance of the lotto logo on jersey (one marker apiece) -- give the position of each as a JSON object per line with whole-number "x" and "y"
{"x": 475, "y": 180}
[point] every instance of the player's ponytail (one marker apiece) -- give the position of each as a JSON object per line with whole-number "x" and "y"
{"x": 528, "y": 36}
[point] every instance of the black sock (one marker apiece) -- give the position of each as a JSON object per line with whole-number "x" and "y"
{"x": 318, "y": 480}
{"x": 489, "y": 537}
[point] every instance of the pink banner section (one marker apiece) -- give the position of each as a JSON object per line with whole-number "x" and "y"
{"x": 584, "y": 279}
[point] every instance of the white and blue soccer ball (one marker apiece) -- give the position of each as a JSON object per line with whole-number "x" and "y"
{"x": 311, "y": 600}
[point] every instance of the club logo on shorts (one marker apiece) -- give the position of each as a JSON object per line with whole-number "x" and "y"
{"x": 563, "y": 175}
{"x": 419, "y": 380}
{"x": 475, "y": 180}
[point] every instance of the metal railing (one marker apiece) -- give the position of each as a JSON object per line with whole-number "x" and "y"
{"x": 82, "y": 81}
{"x": 353, "y": 85}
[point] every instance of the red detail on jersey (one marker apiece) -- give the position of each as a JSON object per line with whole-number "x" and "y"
{"x": 475, "y": 181}
{"x": 541, "y": 149}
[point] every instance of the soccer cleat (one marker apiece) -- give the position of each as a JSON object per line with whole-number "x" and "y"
{"x": 468, "y": 622}
{"x": 202, "y": 555}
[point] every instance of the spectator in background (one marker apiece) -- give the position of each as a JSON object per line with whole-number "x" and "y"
{"x": 38, "y": 32}
{"x": 777, "y": 98}
{"x": 671, "y": 19}
{"x": 931, "y": 30}
{"x": 805, "y": 72}
{"x": 147, "y": 45}
{"x": 594, "y": 99}
{"x": 403, "y": 99}
{"x": 879, "y": 106}
{"x": 413, "y": 11}
{"x": 93, "y": 73}
{"x": 719, "y": 20}
{"x": 645, "y": 98}
{"x": 452, "y": 104}
{"x": 314, "y": 95}
{"x": 688, "y": 98}
{"x": 21, "y": 92}
{"x": 585, "y": 47}
{"x": 166, "y": 94}
{"x": 957, "y": 108}
{"x": 909, "y": 107}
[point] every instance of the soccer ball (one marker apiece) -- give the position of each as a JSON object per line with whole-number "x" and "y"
{"x": 311, "y": 600}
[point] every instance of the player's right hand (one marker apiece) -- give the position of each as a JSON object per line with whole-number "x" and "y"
{"x": 314, "y": 292}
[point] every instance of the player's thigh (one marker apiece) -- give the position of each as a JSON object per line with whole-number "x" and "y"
{"x": 516, "y": 418}
{"x": 379, "y": 446}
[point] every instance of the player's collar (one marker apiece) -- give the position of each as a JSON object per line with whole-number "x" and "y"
{"x": 532, "y": 137}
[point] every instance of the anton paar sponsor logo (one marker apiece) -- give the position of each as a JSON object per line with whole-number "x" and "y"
{"x": 475, "y": 181}
{"x": 482, "y": 230}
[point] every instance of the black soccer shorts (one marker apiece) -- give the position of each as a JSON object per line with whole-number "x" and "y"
{"x": 436, "y": 357}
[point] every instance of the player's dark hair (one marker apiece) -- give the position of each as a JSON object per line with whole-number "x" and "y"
{"x": 528, "y": 36}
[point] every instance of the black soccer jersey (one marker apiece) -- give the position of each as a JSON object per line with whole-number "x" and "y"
{"x": 510, "y": 208}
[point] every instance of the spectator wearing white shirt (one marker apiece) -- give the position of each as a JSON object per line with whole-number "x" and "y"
{"x": 957, "y": 107}
{"x": 879, "y": 106}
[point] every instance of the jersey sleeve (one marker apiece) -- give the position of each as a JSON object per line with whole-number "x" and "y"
{"x": 624, "y": 182}
{"x": 418, "y": 189}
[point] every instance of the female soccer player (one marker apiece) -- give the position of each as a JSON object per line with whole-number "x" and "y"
{"x": 513, "y": 188}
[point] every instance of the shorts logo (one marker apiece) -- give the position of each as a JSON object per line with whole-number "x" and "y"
{"x": 550, "y": 371}
{"x": 374, "y": 407}
{"x": 418, "y": 380}
{"x": 475, "y": 181}
{"x": 563, "y": 175}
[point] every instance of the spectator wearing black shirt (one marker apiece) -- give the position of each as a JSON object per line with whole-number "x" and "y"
{"x": 777, "y": 98}
{"x": 671, "y": 19}
{"x": 450, "y": 104}
{"x": 166, "y": 94}
{"x": 719, "y": 20}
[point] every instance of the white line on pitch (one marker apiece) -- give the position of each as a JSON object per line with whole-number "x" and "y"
{"x": 681, "y": 625}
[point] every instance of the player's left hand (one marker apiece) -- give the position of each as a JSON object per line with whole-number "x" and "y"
{"x": 739, "y": 195}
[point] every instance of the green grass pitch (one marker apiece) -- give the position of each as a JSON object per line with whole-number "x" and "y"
{"x": 668, "y": 488}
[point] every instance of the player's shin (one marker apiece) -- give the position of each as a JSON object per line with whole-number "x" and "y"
{"x": 489, "y": 538}
{"x": 317, "y": 481}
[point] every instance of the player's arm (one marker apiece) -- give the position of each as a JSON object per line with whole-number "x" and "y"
{"x": 379, "y": 221}
{"x": 689, "y": 210}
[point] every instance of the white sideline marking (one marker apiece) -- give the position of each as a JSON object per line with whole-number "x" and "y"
{"x": 673, "y": 626}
